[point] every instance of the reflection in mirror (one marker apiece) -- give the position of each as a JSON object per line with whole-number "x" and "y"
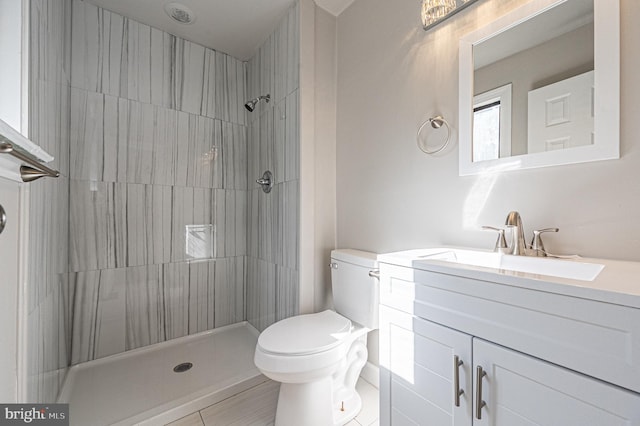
{"x": 492, "y": 124}
{"x": 540, "y": 52}
{"x": 528, "y": 85}
{"x": 560, "y": 115}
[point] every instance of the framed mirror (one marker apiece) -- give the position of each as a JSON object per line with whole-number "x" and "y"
{"x": 540, "y": 87}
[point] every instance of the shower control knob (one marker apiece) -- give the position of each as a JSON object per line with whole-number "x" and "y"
{"x": 266, "y": 181}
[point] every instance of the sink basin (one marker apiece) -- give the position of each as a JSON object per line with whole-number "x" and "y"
{"x": 561, "y": 268}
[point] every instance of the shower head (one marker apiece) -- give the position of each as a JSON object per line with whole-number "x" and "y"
{"x": 251, "y": 105}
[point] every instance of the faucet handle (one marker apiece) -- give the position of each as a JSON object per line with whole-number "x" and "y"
{"x": 536, "y": 244}
{"x": 501, "y": 242}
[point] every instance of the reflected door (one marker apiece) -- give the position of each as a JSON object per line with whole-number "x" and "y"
{"x": 561, "y": 114}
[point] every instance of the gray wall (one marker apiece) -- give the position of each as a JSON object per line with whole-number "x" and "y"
{"x": 48, "y": 328}
{"x": 158, "y": 143}
{"x": 391, "y": 76}
{"x": 274, "y": 144}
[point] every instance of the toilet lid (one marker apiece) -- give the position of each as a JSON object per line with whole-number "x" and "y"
{"x": 305, "y": 334}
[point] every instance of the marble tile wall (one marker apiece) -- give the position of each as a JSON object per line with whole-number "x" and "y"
{"x": 48, "y": 294}
{"x": 123, "y": 58}
{"x": 273, "y": 144}
{"x": 158, "y": 183}
{"x": 116, "y": 310}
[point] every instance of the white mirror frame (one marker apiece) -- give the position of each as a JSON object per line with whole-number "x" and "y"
{"x": 607, "y": 92}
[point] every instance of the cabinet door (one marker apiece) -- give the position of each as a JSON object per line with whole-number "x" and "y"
{"x": 522, "y": 390}
{"x": 417, "y": 373}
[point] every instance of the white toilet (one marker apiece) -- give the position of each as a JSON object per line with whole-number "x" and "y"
{"x": 318, "y": 357}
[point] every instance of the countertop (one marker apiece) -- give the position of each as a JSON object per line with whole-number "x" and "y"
{"x": 617, "y": 283}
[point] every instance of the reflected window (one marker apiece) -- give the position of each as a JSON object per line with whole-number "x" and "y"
{"x": 486, "y": 132}
{"x": 492, "y": 124}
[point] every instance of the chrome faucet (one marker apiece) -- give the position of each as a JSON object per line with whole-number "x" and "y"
{"x": 518, "y": 245}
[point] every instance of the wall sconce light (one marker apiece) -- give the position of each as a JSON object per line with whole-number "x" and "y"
{"x": 436, "y": 11}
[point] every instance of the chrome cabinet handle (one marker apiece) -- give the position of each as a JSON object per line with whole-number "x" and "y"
{"x": 480, "y": 373}
{"x": 3, "y": 219}
{"x": 457, "y": 392}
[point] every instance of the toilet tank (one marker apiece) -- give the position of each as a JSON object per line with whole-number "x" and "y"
{"x": 355, "y": 293}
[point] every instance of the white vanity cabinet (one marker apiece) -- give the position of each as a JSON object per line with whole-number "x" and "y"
{"x": 541, "y": 361}
{"x": 522, "y": 390}
{"x": 417, "y": 378}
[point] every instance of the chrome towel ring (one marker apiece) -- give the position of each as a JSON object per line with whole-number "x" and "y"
{"x": 436, "y": 123}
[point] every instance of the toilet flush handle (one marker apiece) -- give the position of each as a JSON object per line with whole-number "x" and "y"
{"x": 375, "y": 273}
{"x": 333, "y": 265}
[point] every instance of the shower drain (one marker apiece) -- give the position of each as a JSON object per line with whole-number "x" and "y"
{"x": 181, "y": 368}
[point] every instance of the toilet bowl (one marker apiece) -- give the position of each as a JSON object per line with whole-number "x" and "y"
{"x": 318, "y": 357}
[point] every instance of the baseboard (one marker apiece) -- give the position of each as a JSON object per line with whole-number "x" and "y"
{"x": 371, "y": 373}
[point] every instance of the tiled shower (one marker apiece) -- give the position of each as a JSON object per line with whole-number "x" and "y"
{"x": 168, "y": 235}
{"x": 47, "y": 292}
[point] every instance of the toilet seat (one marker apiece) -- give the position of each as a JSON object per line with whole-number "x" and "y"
{"x": 305, "y": 334}
{"x": 289, "y": 352}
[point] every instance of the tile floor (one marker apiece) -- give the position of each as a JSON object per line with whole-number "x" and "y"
{"x": 257, "y": 407}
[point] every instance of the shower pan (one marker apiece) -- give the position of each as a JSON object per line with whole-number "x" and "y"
{"x": 152, "y": 385}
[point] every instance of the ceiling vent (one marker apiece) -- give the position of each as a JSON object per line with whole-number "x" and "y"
{"x": 179, "y": 13}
